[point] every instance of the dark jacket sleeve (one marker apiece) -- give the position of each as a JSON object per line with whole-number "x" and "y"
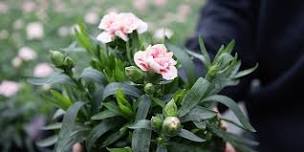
{"x": 221, "y": 21}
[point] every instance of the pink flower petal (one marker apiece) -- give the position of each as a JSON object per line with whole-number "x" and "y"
{"x": 105, "y": 37}
{"x": 170, "y": 74}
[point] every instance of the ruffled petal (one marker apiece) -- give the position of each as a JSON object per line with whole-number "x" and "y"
{"x": 105, "y": 37}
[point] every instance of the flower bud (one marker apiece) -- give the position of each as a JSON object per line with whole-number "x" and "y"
{"x": 171, "y": 126}
{"x": 212, "y": 71}
{"x": 68, "y": 62}
{"x": 170, "y": 110}
{"x": 156, "y": 122}
{"x": 57, "y": 58}
{"x": 134, "y": 74}
{"x": 149, "y": 88}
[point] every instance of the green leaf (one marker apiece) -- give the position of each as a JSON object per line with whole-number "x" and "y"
{"x": 161, "y": 148}
{"x": 232, "y": 105}
{"x": 190, "y": 136}
{"x": 111, "y": 106}
{"x": 48, "y": 141}
{"x": 141, "y": 137}
{"x": 198, "y": 113}
{"x": 198, "y": 56}
{"x": 143, "y": 107}
{"x": 170, "y": 109}
{"x": 185, "y": 61}
{"x": 123, "y": 104}
{"x": 53, "y": 126}
{"x": 60, "y": 100}
{"x": 115, "y": 136}
{"x": 204, "y": 52}
{"x": 70, "y": 132}
{"x": 83, "y": 38}
{"x": 141, "y": 124}
{"x": 58, "y": 113}
{"x": 99, "y": 130}
{"x": 229, "y": 48}
{"x": 245, "y": 72}
{"x": 90, "y": 74}
{"x": 111, "y": 89}
{"x": 53, "y": 79}
{"x": 125, "y": 149}
{"x": 193, "y": 96}
{"x": 141, "y": 140}
{"x": 240, "y": 143}
{"x": 104, "y": 115}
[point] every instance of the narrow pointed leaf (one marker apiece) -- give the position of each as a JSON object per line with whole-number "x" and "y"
{"x": 90, "y": 74}
{"x": 141, "y": 140}
{"x": 70, "y": 133}
{"x": 232, "y": 105}
{"x": 104, "y": 115}
{"x": 143, "y": 107}
{"x": 141, "y": 124}
{"x": 48, "y": 141}
{"x": 246, "y": 72}
{"x": 198, "y": 114}
{"x": 111, "y": 89}
{"x": 53, "y": 126}
{"x": 190, "y": 136}
{"x": 193, "y": 96}
{"x": 204, "y": 51}
{"x": 100, "y": 130}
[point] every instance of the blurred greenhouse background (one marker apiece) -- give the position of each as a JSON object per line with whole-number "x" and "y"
{"x": 30, "y": 28}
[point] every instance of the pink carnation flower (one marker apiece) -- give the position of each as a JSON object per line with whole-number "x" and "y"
{"x": 120, "y": 25}
{"x": 9, "y": 88}
{"x": 156, "y": 58}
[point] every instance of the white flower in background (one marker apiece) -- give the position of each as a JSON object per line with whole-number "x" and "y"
{"x": 28, "y": 6}
{"x": 161, "y": 33}
{"x": 140, "y": 5}
{"x": 64, "y": 31}
{"x": 120, "y": 25}
{"x": 26, "y": 53}
{"x": 16, "y": 62}
{"x": 9, "y": 88}
{"x": 91, "y": 18}
{"x": 34, "y": 30}
{"x": 3, "y": 8}
{"x": 160, "y": 2}
{"x": 42, "y": 70}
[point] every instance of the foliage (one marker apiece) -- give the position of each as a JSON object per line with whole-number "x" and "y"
{"x": 106, "y": 111}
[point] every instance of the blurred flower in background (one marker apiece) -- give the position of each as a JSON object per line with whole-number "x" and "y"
{"x": 28, "y": 6}
{"x": 3, "y": 8}
{"x": 34, "y": 30}
{"x": 27, "y": 53}
{"x": 42, "y": 70}
{"x": 160, "y": 2}
{"x": 140, "y": 5}
{"x": 91, "y": 18}
{"x": 162, "y": 33}
{"x": 9, "y": 88}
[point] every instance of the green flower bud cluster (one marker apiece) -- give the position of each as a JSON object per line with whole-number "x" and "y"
{"x": 61, "y": 61}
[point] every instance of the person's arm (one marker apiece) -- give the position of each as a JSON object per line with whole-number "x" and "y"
{"x": 220, "y": 22}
